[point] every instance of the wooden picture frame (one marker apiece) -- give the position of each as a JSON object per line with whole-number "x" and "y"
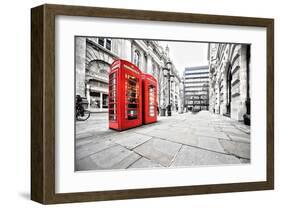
{"x": 43, "y": 103}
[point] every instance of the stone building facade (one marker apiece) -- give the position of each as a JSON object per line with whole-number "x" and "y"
{"x": 229, "y": 66}
{"x": 95, "y": 55}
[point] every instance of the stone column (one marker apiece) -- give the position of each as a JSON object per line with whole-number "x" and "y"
{"x": 149, "y": 64}
{"x": 127, "y": 50}
{"x": 80, "y": 65}
{"x": 88, "y": 95}
{"x": 217, "y": 100}
{"x": 224, "y": 90}
{"x": 149, "y": 60}
{"x": 243, "y": 82}
{"x": 101, "y": 101}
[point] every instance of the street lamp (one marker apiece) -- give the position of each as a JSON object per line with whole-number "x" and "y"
{"x": 167, "y": 74}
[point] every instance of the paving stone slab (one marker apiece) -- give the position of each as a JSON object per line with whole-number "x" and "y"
{"x": 244, "y": 128}
{"x": 245, "y": 161}
{"x": 90, "y": 164}
{"x": 221, "y": 125}
{"x": 95, "y": 136}
{"x": 241, "y": 134}
{"x": 237, "y": 148}
{"x": 183, "y": 125}
{"x": 145, "y": 163}
{"x": 211, "y": 144}
{"x": 186, "y": 139}
{"x": 144, "y": 129}
{"x": 130, "y": 140}
{"x": 108, "y": 158}
{"x": 128, "y": 161}
{"x": 82, "y": 142}
{"x": 232, "y": 130}
{"x": 240, "y": 138}
{"x": 203, "y": 129}
{"x": 83, "y": 135}
{"x": 214, "y": 134}
{"x": 92, "y": 148}
{"x": 182, "y": 137}
{"x": 177, "y": 130}
{"x": 85, "y": 164}
{"x": 190, "y": 156}
{"x": 158, "y": 150}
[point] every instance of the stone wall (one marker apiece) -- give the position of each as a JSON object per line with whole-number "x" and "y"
{"x": 228, "y": 74}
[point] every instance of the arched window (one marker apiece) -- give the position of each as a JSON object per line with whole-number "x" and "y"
{"x": 136, "y": 59}
{"x": 99, "y": 67}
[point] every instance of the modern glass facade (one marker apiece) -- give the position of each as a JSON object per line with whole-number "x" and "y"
{"x": 196, "y": 88}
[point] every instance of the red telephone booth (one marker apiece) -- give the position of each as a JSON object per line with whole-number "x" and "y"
{"x": 149, "y": 85}
{"x": 125, "y": 98}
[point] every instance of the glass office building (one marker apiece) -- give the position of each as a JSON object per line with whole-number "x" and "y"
{"x": 196, "y": 88}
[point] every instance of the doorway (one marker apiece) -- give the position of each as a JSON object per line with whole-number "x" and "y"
{"x": 228, "y": 86}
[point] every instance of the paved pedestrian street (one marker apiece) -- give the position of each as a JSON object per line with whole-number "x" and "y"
{"x": 188, "y": 139}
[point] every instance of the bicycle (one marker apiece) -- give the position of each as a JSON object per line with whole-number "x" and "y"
{"x": 80, "y": 113}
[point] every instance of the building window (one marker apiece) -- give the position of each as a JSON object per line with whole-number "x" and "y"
{"x": 101, "y": 41}
{"x": 108, "y": 44}
{"x": 136, "y": 59}
{"x": 105, "y": 42}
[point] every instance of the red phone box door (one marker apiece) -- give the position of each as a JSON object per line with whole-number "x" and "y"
{"x": 150, "y": 104}
{"x": 125, "y": 98}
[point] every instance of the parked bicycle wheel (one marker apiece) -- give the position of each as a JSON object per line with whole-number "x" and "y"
{"x": 82, "y": 117}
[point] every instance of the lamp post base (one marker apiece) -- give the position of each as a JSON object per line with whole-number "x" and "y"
{"x": 169, "y": 112}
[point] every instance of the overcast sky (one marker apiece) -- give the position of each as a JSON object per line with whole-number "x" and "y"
{"x": 187, "y": 54}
